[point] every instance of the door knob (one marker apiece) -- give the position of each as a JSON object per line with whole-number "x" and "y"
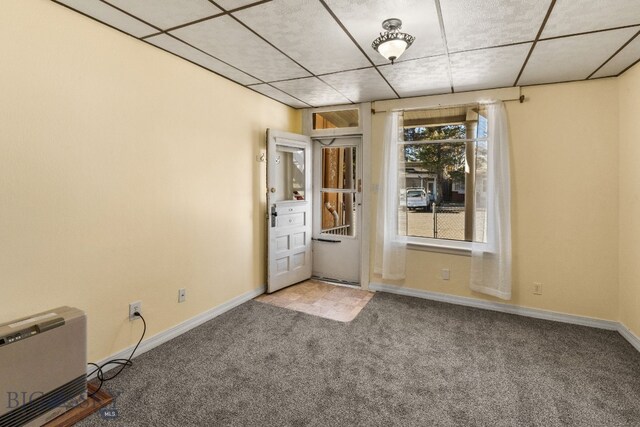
{"x": 273, "y": 190}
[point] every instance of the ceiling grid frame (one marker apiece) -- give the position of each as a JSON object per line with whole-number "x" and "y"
{"x": 143, "y": 39}
{"x": 279, "y": 50}
{"x": 535, "y": 41}
{"x": 614, "y": 54}
{"x": 356, "y": 43}
{"x": 444, "y": 41}
{"x": 129, "y": 14}
{"x": 618, "y": 58}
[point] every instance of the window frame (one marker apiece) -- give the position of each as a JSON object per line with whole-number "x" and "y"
{"x": 336, "y": 131}
{"x": 433, "y": 244}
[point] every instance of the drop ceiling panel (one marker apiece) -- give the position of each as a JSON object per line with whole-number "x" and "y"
{"x": 305, "y": 31}
{"x": 301, "y": 47}
{"x": 472, "y": 24}
{"x": 487, "y": 68}
{"x": 234, "y": 4}
{"x": 620, "y": 62}
{"x": 572, "y": 58}
{"x": 181, "y": 49}
{"x": 360, "y": 85}
{"x": 577, "y": 16}
{"x": 312, "y": 91}
{"x": 167, "y": 13}
{"x": 427, "y": 76}
{"x": 112, "y": 16}
{"x": 232, "y": 43}
{"x": 363, "y": 19}
{"x": 278, "y": 95}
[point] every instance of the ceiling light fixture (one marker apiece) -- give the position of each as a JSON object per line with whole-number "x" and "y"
{"x": 392, "y": 43}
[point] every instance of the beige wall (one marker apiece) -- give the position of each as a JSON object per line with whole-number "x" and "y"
{"x": 564, "y": 163}
{"x": 629, "y": 87}
{"x": 125, "y": 174}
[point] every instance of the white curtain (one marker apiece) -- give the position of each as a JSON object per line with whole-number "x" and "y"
{"x": 390, "y": 259}
{"x": 491, "y": 247}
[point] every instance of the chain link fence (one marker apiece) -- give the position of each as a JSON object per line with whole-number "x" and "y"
{"x": 443, "y": 222}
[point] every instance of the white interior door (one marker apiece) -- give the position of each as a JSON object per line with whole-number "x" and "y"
{"x": 289, "y": 199}
{"x": 337, "y": 214}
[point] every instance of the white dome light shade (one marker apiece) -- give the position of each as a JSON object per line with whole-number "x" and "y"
{"x": 392, "y": 49}
{"x": 392, "y": 43}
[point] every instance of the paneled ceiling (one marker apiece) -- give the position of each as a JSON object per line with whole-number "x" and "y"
{"x": 311, "y": 53}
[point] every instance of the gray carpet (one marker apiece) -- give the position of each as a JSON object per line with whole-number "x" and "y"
{"x": 402, "y": 361}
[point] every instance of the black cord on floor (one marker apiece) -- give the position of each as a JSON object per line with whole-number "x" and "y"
{"x": 123, "y": 363}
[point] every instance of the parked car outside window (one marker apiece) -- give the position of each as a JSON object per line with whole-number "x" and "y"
{"x": 419, "y": 199}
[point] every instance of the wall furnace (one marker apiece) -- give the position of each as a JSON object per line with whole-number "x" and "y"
{"x": 43, "y": 366}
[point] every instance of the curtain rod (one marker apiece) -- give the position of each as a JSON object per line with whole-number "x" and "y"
{"x": 520, "y": 99}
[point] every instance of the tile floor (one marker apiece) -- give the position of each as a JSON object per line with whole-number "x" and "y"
{"x": 320, "y": 299}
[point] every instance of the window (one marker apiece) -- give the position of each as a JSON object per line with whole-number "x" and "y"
{"x": 445, "y": 159}
{"x": 336, "y": 119}
{"x": 290, "y": 176}
{"x": 338, "y": 193}
{"x": 458, "y": 187}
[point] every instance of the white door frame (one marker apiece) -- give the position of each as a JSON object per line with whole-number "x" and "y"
{"x": 363, "y": 130}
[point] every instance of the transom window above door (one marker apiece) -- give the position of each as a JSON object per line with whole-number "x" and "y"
{"x": 336, "y": 119}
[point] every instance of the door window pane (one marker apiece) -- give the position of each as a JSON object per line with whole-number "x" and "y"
{"x": 290, "y": 175}
{"x": 339, "y": 168}
{"x": 338, "y": 213}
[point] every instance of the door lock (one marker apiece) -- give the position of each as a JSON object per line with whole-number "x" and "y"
{"x": 274, "y": 215}
{"x": 273, "y": 190}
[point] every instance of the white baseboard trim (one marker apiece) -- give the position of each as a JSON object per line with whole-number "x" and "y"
{"x": 496, "y": 306}
{"x": 633, "y": 339}
{"x": 181, "y": 328}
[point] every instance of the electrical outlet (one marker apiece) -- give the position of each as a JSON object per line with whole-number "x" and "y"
{"x": 182, "y": 295}
{"x": 445, "y": 274}
{"x": 133, "y": 308}
{"x": 537, "y": 288}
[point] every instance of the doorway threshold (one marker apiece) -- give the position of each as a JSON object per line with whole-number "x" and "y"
{"x": 336, "y": 281}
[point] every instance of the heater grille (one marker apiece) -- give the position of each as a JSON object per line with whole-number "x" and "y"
{"x": 43, "y": 366}
{"x": 63, "y": 396}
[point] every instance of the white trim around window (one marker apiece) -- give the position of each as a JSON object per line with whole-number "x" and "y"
{"x": 428, "y": 244}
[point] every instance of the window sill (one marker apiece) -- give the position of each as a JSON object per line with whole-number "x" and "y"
{"x": 451, "y": 248}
